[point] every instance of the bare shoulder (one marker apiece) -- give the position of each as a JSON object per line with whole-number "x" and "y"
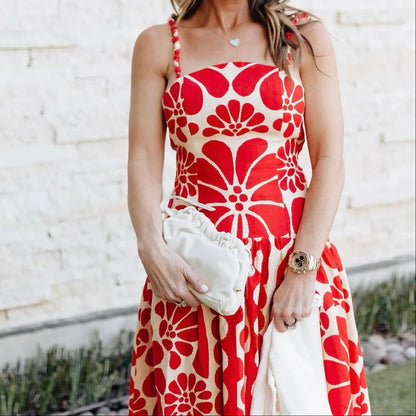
{"x": 153, "y": 48}
{"x": 318, "y": 36}
{"x": 318, "y": 56}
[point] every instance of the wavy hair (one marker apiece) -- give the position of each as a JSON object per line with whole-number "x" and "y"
{"x": 275, "y": 16}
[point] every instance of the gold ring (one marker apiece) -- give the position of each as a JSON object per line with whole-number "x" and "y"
{"x": 292, "y": 326}
{"x": 180, "y": 303}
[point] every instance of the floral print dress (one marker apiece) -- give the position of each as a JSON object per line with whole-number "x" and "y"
{"x": 237, "y": 129}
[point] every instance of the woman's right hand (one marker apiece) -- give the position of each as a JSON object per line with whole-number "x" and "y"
{"x": 170, "y": 275}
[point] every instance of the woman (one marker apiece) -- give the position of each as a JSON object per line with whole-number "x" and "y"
{"x": 238, "y": 83}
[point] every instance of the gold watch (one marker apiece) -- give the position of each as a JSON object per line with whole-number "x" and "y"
{"x": 302, "y": 262}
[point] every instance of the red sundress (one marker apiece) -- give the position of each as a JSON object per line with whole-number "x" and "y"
{"x": 237, "y": 129}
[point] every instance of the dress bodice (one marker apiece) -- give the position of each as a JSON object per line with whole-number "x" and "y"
{"x": 237, "y": 129}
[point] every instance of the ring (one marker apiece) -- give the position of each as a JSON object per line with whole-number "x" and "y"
{"x": 180, "y": 303}
{"x": 293, "y": 326}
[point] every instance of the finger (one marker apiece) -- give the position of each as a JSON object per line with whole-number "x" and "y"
{"x": 185, "y": 294}
{"x": 288, "y": 318}
{"x": 196, "y": 283}
{"x": 307, "y": 310}
{"x": 278, "y": 321}
{"x": 298, "y": 316}
{"x": 279, "y": 324}
{"x": 191, "y": 300}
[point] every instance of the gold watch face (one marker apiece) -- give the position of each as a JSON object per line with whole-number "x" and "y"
{"x": 300, "y": 261}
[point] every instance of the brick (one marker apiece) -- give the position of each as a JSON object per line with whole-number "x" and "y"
{"x": 125, "y": 271}
{"x": 77, "y": 16}
{"x": 147, "y": 14}
{"x": 63, "y": 276}
{"x": 86, "y": 113}
{"x": 4, "y": 319}
{"x": 57, "y": 62}
{"x": 23, "y": 292}
{"x": 15, "y": 205}
{"x": 25, "y": 260}
{"x": 42, "y": 8}
{"x": 117, "y": 148}
{"x": 384, "y": 189}
{"x": 81, "y": 256}
{"x": 34, "y": 40}
{"x": 10, "y": 60}
{"x": 32, "y": 178}
{"x": 35, "y": 154}
{"x": 34, "y": 313}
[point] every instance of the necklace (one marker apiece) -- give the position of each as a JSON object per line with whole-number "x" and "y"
{"x": 233, "y": 41}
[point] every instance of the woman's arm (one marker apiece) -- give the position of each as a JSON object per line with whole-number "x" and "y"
{"x": 168, "y": 273}
{"x": 324, "y": 127}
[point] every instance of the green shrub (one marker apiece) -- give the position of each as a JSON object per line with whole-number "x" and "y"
{"x": 388, "y": 307}
{"x": 58, "y": 380}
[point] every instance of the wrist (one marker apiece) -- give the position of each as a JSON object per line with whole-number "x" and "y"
{"x": 290, "y": 274}
{"x": 151, "y": 247}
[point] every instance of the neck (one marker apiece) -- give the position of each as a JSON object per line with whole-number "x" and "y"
{"x": 227, "y": 15}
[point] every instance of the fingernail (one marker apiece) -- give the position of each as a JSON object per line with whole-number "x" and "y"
{"x": 204, "y": 288}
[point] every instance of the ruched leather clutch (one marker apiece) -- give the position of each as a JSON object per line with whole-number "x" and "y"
{"x": 219, "y": 259}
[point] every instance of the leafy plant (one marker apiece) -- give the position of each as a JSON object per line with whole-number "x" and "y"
{"x": 57, "y": 379}
{"x": 388, "y": 307}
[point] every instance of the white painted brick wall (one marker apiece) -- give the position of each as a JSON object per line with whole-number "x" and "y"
{"x": 66, "y": 243}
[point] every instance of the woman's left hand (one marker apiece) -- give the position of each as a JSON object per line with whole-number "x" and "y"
{"x": 292, "y": 300}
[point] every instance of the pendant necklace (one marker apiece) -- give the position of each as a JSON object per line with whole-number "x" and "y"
{"x": 233, "y": 42}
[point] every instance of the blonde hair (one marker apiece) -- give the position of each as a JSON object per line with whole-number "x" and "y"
{"x": 275, "y": 16}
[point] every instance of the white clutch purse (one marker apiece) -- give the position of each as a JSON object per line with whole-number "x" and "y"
{"x": 219, "y": 259}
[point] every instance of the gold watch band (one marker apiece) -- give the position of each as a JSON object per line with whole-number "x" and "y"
{"x": 302, "y": 262}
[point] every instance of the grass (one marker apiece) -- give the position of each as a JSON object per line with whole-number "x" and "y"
{"x": 392, "y": 391}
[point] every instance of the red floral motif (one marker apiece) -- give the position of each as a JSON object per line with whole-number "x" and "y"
{"x": 179, "y": 101}
{"x": 271, "y": 91}
{"x": 185, "y": 180}
{"x": 291, "y": 175}
{"x": 188, "y": 396}
{"x": 142, "y": 343}
{"x": 297, "y": 211}
{"x": 361, "y": 405}
{"x": 235, "y": 119}
{"x": 178, "y": 331}
{"x": 337, "y": 373}
{"x": 331, "y": 257}
{"x": 339, "y": 294}
{"x": 247, "y": 80}
{"x": 243, "y": 188}
{"x": 324, "y": 322}
{"x": 293, "y": 106}
{"x": 213, "y": 80}
{"x": 137, "y": 404}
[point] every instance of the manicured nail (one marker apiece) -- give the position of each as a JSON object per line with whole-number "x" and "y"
{"x": 204, "y": 288}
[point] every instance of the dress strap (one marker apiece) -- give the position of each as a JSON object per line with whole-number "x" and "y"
{"x": 297, "y": 18}
{"x": 300, "y": 18}
{"x": 176, "y": 46}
